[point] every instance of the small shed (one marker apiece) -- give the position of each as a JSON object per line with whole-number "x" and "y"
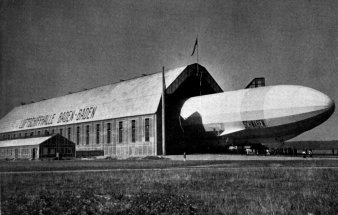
{"x": 55, "y": 146}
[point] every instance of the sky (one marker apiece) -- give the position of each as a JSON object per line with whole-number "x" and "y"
{"x": 49, "y": 48}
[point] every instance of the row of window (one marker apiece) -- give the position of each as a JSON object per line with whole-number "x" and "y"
{"x": 5, "y": 151}
{"x": 97, "y": 132}
{"x": 12, "y": 151}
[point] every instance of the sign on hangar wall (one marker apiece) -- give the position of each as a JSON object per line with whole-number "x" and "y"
{"x": 63, "y": 117}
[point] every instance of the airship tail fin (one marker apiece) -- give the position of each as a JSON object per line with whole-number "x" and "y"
{"x": 256, "y": 82}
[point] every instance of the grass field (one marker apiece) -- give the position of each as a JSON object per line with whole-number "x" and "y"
{"x": 236, "y": 187}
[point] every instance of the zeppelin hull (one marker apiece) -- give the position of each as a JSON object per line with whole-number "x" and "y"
{"x": 267, "y": 114}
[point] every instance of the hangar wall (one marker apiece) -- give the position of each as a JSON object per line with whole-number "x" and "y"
{"x": 124, "y": 137}
{"x": 139, "y": 137}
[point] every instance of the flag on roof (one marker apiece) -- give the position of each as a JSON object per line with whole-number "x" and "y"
{"x": 196, "y": 44}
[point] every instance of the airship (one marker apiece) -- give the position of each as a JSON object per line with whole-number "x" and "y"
{"x": 269, "y": 114}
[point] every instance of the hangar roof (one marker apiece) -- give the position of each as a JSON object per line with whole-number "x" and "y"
{"x": 133, "y": 97}
{"x": 23, "y": 142}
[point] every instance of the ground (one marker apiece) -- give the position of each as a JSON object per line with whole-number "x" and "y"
{"x": 223, "y": 185}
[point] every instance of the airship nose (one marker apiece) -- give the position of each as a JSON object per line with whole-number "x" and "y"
{"x": 326, "y": 102}
{"x": 314, "y": 100}
{"x": 331, "y": 106}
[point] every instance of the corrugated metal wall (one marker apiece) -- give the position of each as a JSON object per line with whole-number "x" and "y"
{"x": 127, "y": 148}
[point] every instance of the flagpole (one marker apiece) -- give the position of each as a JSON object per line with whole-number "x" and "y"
{"x": 163, "y": 112}
{"x": 197, "y": 68}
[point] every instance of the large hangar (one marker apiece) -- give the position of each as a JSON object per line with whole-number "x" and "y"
{"x": 118, "y": 120}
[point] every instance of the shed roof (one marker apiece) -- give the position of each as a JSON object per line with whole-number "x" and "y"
{"x": 24, "y": 142}
{"x": 134, "y": 97}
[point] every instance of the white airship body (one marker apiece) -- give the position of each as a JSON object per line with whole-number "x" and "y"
{"x": 259, "y": 115}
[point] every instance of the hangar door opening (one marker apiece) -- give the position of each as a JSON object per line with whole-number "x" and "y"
{"x": 191, "y": 82}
